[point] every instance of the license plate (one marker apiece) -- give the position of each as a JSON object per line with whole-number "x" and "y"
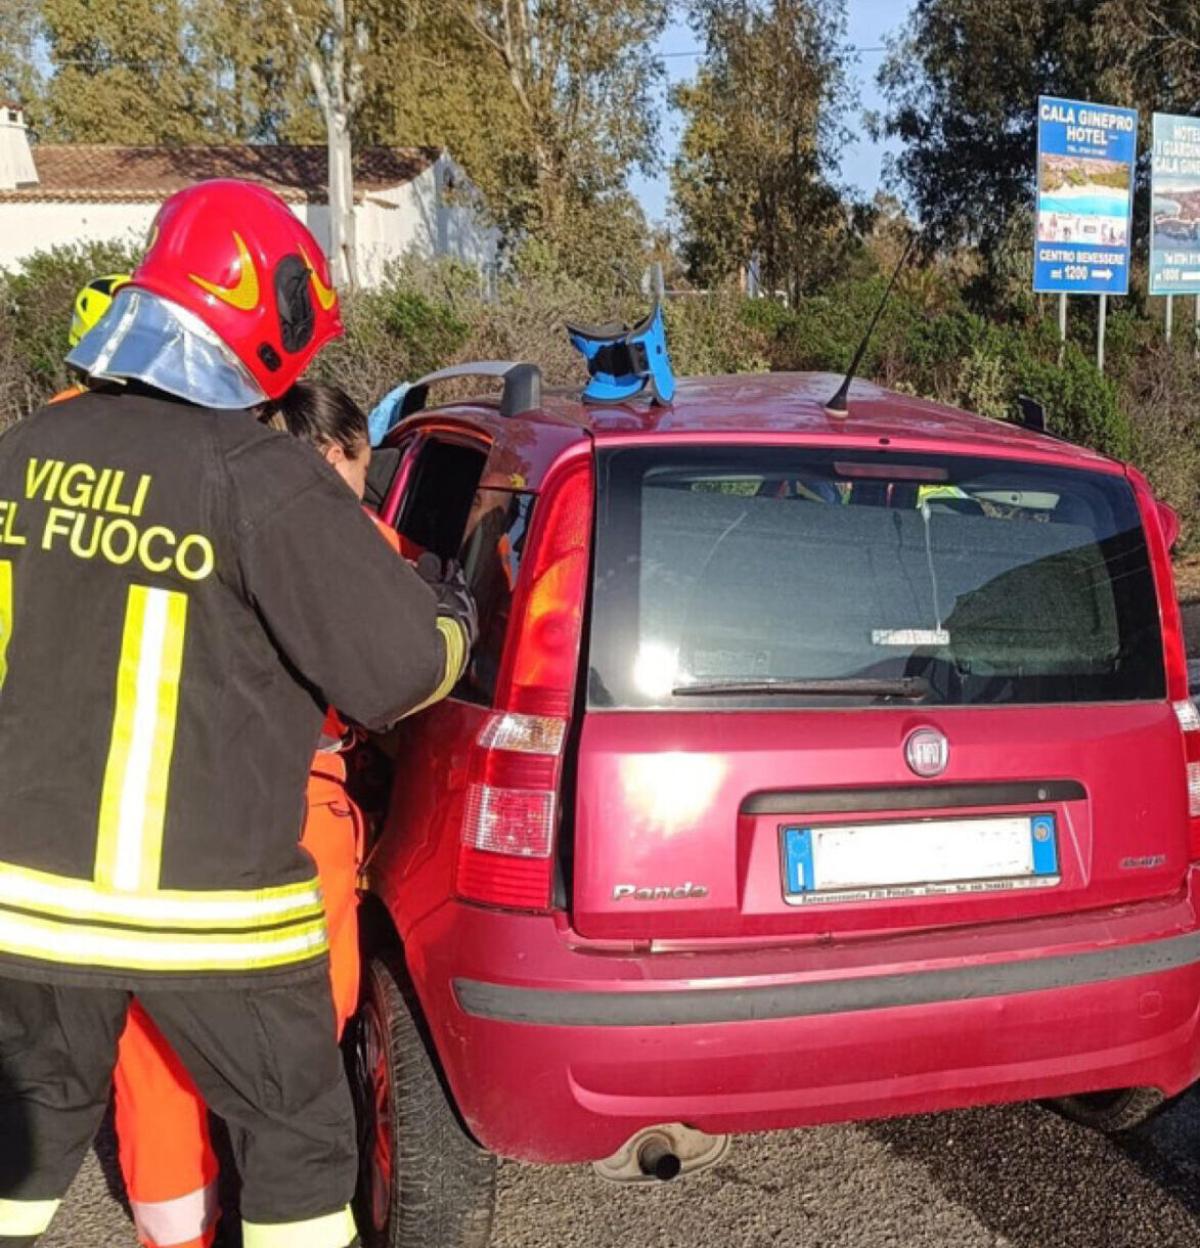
{"x": 866, "y": 861}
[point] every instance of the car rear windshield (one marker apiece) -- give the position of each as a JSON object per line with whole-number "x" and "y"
{"x": 769, "y": 576}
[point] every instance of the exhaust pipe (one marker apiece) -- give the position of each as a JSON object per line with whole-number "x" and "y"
{"x": 657, "y": 1159}
{"x": 662, "y": 1153}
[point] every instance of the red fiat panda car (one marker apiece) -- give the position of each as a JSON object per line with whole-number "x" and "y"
{"x": 808, "y": 768}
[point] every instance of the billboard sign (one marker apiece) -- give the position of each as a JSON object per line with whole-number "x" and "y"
{"x": 1175, "y": 210}
{"x": 1086, "y": 156}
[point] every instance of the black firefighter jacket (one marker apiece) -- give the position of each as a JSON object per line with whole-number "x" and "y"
{"x": 182, "y": 591}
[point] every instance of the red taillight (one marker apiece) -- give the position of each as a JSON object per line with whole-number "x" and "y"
{"x": 539, "y": 675}
{"x": 1174, "y": 648}
{"x": 507, "y": 853}
{"x": 508, "y": 836}
{"x": 1189, "y": 723}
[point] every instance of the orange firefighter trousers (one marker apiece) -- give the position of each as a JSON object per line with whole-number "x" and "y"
{"x": 162, "y": 1123}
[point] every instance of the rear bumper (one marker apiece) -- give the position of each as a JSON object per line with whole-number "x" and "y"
{"x": 507, "y": 1003}
{"x": 558, "y": 1051}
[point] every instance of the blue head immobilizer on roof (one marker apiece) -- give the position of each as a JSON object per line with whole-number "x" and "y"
{"x": 622, "y": 362}
{"x": 386, "y": 413}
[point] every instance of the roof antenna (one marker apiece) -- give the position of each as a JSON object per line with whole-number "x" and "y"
{"x": 838, "y": 405}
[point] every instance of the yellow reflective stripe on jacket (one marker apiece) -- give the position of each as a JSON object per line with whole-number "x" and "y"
{"x": 334, "y": 1230}
{"x": 82, "y": 944}
{"x": 20, "y": 1219}
{"x": 87, "y": 901}
{"x": 133, "y": 800}
{"x": 6, "y": 615}
{"x": 457, "y": 657}
{"x": 164, "y": 714}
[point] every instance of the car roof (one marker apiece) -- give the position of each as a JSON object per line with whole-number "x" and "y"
{"x": 750, "y": 406}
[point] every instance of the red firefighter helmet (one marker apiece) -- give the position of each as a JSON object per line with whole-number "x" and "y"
{"x": 237, "y": 257}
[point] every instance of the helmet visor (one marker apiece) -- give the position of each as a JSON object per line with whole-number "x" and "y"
{"x": 146, "y": 338}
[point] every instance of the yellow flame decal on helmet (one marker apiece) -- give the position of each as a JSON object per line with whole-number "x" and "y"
{"x": 326, "y": 296}
{"x": 243, "y": 296}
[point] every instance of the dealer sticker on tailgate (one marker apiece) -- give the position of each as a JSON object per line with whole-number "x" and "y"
{"x": 867, "y": 861}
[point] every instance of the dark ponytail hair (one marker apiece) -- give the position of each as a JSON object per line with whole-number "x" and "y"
{"x": 321, "y": 414}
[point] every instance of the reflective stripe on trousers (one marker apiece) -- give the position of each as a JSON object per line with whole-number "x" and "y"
{"x": 185, "y": 1220}
{"x": 22, "y": 1219}
{"x": 334, "y": 1230}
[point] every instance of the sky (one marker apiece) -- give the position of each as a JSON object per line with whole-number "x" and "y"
{"x": 869, "y": 23}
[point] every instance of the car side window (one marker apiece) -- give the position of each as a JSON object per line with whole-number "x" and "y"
{"x": 491, "y": 555}
{"x": 385, "y": 463}
{"x": 439, "y": 496}
{"x": 445, "y": 511}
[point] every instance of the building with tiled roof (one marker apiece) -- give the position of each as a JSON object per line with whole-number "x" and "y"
{"x": 407, "y": 199}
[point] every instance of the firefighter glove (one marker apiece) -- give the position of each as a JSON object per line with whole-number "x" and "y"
{"x": 454, "y": 599}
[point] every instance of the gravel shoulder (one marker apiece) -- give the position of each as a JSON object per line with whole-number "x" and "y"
{"x": 1007, "y": 1177}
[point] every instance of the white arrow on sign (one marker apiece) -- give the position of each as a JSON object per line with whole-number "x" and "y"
{"x": 1106, "y": 274}
{"x": 1190, "y": 277}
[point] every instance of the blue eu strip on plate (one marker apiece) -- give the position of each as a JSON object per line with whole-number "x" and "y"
{"x": 798, "y": 856}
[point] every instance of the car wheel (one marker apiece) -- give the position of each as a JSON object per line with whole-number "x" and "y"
{"x": 422, "y": 1180}
{"x": 1112, "y": 1112}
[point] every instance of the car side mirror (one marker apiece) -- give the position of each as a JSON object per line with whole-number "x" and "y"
{"x": 1168, "y": 517}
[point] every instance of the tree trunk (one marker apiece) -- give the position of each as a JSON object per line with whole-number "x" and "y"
{"x": 341, "y": 199}
{"x": 336, "y": 90}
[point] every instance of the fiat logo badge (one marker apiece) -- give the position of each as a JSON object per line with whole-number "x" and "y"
{"x": 927, "y": 752}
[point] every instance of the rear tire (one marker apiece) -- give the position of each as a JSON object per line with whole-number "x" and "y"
{"x": 1113, "y": 1112}
{"x": 423, "y": 1182}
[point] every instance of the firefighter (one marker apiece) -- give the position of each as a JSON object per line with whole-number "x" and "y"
{"x": 91, "y": 303}
{"x": 182, "y": 592}
{"x": 166, "y": 1153}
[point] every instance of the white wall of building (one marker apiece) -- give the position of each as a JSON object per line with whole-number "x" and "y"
{"x": 437, "y": 214}
{"x": 39, "y": 225}
{"x": 30, "y": 227}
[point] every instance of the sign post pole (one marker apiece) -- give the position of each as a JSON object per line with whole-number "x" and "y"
{"x": 1086, "y": 159}
{"x": 1170, "y": 315}
{"x": 1100, "y": 332}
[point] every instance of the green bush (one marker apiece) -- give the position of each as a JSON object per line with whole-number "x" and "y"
{"x": 432, "y": 332}
{"x": 929, "y": 342}
{"x": 391, "y": 334}
{"x": 710, "y": 334}
{"x": 1081, "y": 404}
{"x": 38, "y": 299}
{"x": 957, "y": 356}
{"x": 1162, "y": 400}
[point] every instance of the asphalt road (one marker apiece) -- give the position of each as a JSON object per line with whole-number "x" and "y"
{"x": 1013, "y": 1177}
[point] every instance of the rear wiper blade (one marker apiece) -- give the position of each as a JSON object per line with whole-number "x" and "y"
{"x": 902, "y": 687}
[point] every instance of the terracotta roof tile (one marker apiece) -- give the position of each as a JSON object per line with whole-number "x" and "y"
{"x": 98, "y": 173}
